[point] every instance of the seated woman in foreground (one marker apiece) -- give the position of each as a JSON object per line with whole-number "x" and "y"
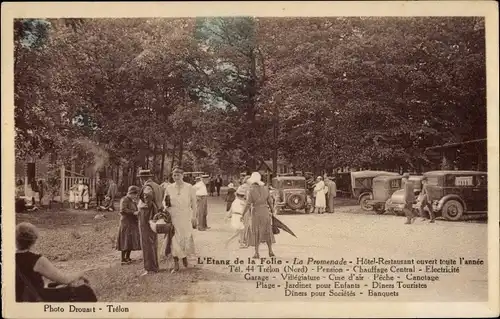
{"x": 32, "y": 268}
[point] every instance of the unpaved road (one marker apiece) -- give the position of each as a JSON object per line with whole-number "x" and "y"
{"x": 349, "y": 234}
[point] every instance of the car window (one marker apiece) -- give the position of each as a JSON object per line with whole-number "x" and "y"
{"x": 287, "y": 183}
{"x": 481, "y": 181}
{"x": 433, "y": 181}
{"x": 464, "y": 181}
{"x": 395, "y": 183}
{"x": 300, "y": 184}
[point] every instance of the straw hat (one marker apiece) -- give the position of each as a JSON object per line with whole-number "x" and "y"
{"x": 241, "y": 191}
{"x": 255, "y": 178}
{"x": 133, "y": 190}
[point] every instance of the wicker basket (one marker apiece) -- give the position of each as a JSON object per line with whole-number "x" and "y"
{"x": 159, "y": 224}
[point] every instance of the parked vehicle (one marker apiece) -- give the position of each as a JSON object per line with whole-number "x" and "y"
{"x": 362, "y": 186}
{"x": 383, "y": 187}
{"x": 396, "y": 203}
{"x": 290, "y": 193}
{"x": 190, "y": 177}
{"x": 455, "y": 193}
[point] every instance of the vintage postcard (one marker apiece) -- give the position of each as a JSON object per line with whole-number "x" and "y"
{"x": 250, "y": 159}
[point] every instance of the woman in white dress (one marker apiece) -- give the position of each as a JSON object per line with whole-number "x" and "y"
{"x": 72, "y": 195}
{"x": 320, "y": 191}
{"x": 183, "y": 208}
{"x": 85, "y": 196}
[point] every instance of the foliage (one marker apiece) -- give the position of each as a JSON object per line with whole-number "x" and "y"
{"x": 223, "y": 93}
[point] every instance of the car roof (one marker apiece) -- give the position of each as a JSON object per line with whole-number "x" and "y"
{"x": 449, "y": 172}
{"x": 387, "y": 177}
{"x": 295, "y": 178}
{"x": 372, "y": 173}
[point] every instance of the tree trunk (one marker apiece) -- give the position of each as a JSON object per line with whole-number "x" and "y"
{"x": 275, "y": 142}
{"x": 181, "y": 151}
{"x": 153, "y": 164}
{"x": 173, "y": 158}
{"x": 162, "y": 167}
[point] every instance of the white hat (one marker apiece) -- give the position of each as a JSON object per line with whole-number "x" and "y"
{"x": 241, "y": 190}
{"x": 231, "y": 185}
{"x": 255, "y": 178}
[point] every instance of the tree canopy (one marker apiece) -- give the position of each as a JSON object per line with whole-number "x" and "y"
{"x": 226, "y": 93}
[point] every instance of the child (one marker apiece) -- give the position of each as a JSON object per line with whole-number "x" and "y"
{"x": 85, "y": 196}
{"x": 230, "y": 197}
{"x": 72, "y": 196}
{"x": 236, "y": 214}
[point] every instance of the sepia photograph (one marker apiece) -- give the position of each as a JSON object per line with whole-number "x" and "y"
{"x": 235, "y": 157}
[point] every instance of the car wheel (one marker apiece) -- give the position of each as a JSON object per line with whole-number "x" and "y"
{"x": 363, "y": 203}
{"x": 452, "y": 210}
{"x": 295, "y": 201}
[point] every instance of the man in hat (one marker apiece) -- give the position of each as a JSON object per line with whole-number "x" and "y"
{"x": 332, "y": 193}
{"x": 146, "y": 179}
{"x": 183, "y": 210}
{"x": 409, "y": 198}
{"x": 201, "y": 200}
{"x": 218, "y": 184}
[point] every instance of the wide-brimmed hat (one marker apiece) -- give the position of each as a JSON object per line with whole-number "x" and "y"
{"x": 319, "y": 177}
{"x": 133, "y": 190}
{"x": 197, "y": 178}
{"x": 231, "y": 185}
{"x": 255, "y": 178}
{"x": 145, "y": 173}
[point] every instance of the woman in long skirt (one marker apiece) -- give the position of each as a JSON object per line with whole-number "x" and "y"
{"x": 261, "y": 206}
{"x": 128, "y": 234}
{"x": 149, "y": 239}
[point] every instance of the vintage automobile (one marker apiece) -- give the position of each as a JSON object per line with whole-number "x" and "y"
{"x": 395, "y": 203}
{"x": 383, "y": 187}
{"x": 289, "y": 193}
{"x": 455, "y": 193}
{"x": 362, "y": 186}
{"x": 452, "y": 194}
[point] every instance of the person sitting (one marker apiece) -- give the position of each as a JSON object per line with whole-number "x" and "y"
{"x": 32, "y": 268}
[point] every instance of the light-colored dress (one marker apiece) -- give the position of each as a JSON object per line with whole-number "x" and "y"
{"x": 85, "y": 194}
{"x": 320, "y": 190}
{"x": 236, "y": 212}
{"x": 183, "y": 204}
{"x": 72, "y": 194}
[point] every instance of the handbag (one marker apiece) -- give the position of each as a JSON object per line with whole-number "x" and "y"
{"x": 160, "y": 223}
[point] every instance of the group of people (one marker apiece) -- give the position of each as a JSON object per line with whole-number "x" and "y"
{"x": 323, "y": 193}
{"x": 106, "y": 191}
{"x": 143, "y": 205}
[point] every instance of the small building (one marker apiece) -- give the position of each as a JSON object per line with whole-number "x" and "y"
{"x": 467, "y": 155}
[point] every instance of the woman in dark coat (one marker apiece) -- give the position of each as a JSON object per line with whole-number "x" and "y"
{"x": 149, "y": 239}
{"x": 128, "y": 234}
{"x": 261, "y": 209}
